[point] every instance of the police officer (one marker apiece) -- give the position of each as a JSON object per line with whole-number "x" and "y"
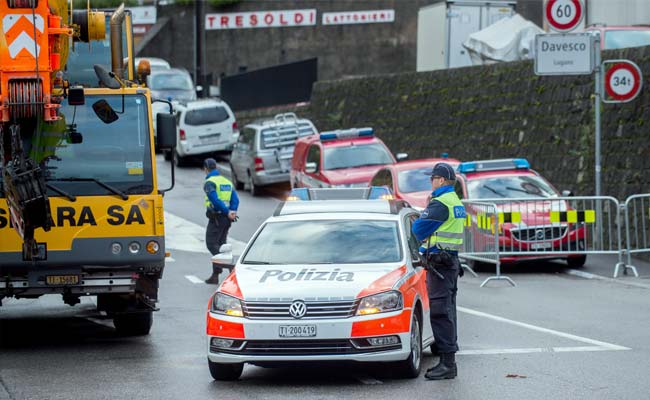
{"x": 440, "y": 228}
{"x": 221, "y": 202}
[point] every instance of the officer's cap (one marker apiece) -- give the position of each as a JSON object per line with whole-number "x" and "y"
{"x": 210, "y": 163}
{"x": 444, "y": 170}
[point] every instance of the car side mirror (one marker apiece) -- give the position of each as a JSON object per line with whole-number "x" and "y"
{"x": 166, "y": 130}
{"x": 401, "y": 156}
{"x": 311, "y": 167}
{"x": 567, "y": 193}
{"x": 225, "y": 256}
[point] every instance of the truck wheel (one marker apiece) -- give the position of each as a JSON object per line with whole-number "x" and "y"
{"x": 179, "y": 161}
{"x": 133, "y": 324}
{"x": 410, "y": 368}
{"x": 238, "y": 185}
{"x": 225, "y": 372}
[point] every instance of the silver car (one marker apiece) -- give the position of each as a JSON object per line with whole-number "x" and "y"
{"x": 263, "y": 153}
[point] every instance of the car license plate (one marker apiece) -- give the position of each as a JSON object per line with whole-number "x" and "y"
{"x": 62, "y": 279}
{"x": 297, "y": 330}
{"x": 538, "y": 246}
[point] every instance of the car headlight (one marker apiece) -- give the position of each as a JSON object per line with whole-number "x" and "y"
{"x": 228, "y": 305}
{"x": 379, "y": 303}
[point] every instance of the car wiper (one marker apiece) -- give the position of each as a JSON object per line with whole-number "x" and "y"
{"x": 524, "y": 191}
{"x": 108, "y": 187}
{"x": 69, "y": 196}
{"x": 138, "y": 188}
{"x": 257, "y": 262}
{"x": 493, "y": 190}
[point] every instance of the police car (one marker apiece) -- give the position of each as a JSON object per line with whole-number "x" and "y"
{"x": 521, "y": 192}
{"x": 324, "y": 280}
{"x": 342, "y": 158}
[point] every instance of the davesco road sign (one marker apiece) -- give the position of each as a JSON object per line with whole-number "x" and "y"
{"x": 564, "y": 54}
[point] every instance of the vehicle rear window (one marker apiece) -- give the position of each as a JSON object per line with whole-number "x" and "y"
{"x": 626, "y": 38}
{"x": 206, "y": 116}
{"x": 414, "y": 180}
{"x": 326, "y": 242}
{"x": 521, "y": 186}
{"x": 284, "y": 136}
{"x": 356, "y": 156}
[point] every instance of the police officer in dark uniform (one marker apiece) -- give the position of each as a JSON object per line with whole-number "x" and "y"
{"x": 440, "y": 228}
{"x": 221, "y": 202}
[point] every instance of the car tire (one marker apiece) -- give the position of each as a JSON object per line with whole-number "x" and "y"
{"x": 225, "y": 372}
{"x": 254, "y": 189}
{"x": 577, "y": 262}
{"x": 167, "y": 154}
{"x": 133, "y": 324}
{"x": 238, "y": 185}
{"x": 411, "y": 367}
{"x": 179, "y": 161}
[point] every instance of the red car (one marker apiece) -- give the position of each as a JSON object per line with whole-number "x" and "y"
{"x": 534, "y": 200}
{"x": 620, "y": 37}
{"x": 409, "y": 180}
{"x": 342, "y": 158}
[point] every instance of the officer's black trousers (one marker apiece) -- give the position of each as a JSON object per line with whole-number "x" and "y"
{"x": 442, "y": 303}
{"x": 216, "y": 234}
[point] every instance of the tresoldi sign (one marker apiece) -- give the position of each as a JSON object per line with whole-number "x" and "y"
{"x": 261, "y": 19}
{"x": 564, "y": 54}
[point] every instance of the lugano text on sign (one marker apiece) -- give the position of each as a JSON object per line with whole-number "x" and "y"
{"x": 261, "y": 19}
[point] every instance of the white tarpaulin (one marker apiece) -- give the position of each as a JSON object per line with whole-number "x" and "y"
{"x": 509, "y": 39}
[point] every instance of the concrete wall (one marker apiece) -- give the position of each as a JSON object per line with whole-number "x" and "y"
{"x": 498, "y": 111}
{"x": 343, "y": 50}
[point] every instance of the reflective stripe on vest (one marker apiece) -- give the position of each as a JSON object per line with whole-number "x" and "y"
{"x": 224, "y": 190}
{"x": 450, "y": 234}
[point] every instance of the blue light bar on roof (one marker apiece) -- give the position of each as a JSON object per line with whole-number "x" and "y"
{"x": 493, "y": 165}
{"x": 351, "y": 133}
{"x": 358, "y": 193}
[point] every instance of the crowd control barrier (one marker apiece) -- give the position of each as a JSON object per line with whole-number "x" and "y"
{"x": 517, "y": 229}
{"x": 637, "y": 226}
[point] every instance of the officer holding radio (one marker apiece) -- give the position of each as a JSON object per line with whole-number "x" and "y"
{"x": 440, "y": 229}
{"x": 221, "y": 202}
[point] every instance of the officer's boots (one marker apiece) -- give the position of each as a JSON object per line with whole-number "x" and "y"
{"x": 214, "y": 278}
{"x": 446, "y": 368}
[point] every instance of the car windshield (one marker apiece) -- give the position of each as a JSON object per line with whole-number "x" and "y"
{"x": 414, "y": 180}
{"x": 518, "y": 186}
{"x": 356, "y": 156}
{"x": 117, "y": 153}
{"x": 170, "y": 82}
{"x": 626, "y": 38}
{"x": 206, "y": 116}
{"x": 326, "y": 242}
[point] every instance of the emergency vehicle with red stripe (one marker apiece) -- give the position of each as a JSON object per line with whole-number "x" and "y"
{"x": 324, "y": 280}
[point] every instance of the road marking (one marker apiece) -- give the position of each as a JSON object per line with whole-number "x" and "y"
{"x": 184, "y": 235}
{"x": 169, "y": 259}
{"x": 588, "y": 275}
{"x": 194, "y": 279}
{"x": 596, "y": 343}
{"x": 533, "y": 350}
{"x": 367, "y": 380}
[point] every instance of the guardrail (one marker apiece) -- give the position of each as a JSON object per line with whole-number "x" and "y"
{"x": 637, "y": 216}
{"x": 571, "y": 228}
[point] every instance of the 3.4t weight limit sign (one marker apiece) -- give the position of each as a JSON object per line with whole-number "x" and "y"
{"x": 623, "y": 81}
{"x": 564, "y": 15}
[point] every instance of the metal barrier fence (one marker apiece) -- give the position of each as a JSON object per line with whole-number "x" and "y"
{"x": 637, "y": 217}
{"x": 570, "y": 228}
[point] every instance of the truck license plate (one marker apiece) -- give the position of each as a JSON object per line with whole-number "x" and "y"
{"x": 297, "y": 330}
{"x": 62, "y": 279}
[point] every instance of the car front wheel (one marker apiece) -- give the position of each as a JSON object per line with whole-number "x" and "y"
{"x": 225, "y": 372}
{"x": 576, "y": 262}
{"x": 410, "y": 368}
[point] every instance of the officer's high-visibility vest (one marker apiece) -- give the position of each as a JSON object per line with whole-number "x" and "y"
{"x": 450, "y": 234}
{"x": 224, "y": 190}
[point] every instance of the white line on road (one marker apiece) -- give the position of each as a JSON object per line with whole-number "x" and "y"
{"x": 533, "y": 350}
{"x": 169, "y": 259}
{"x": 587, "y": 275}
{"x": 604, "y": 345}
{"x": 194, "y": 279}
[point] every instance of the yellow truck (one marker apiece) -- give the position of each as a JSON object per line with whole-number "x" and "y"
{"x": 106, "y": 234}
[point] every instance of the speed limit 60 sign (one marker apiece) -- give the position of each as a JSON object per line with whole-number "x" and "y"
{"x": 623, "y": 81}
{"x": 564, "y": 15}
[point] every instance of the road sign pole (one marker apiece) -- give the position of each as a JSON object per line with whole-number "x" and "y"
{"x": 597, "y": 100}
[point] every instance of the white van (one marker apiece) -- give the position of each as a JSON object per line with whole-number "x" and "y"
{"x": 204, "y": 127}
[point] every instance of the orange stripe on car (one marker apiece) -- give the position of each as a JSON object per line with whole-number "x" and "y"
{"x": 384, "y": 283}
{"x": 231, "y": 286}
{"x": 383, "y": 326}
{"x": 217, "y": 327}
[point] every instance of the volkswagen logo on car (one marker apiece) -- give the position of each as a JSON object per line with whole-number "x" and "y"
{"x": 298, "y": 309}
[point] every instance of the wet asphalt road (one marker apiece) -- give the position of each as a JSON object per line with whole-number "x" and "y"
{"x": 554, "y": 335}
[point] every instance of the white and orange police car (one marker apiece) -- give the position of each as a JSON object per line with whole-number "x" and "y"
{"x": 324, "y": 280}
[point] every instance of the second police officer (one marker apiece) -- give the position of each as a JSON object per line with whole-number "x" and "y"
{"x": 440, "y": 229}
{"x": 221, "y": 202}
